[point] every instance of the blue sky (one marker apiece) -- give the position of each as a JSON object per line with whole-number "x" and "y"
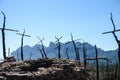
{"x": 85, "y": 19}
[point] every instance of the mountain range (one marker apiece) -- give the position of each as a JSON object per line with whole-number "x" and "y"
{"x": 51, "y": 51}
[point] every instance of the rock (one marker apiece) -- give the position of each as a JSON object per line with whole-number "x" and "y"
{"x": 10, "y": 59}
{"x": 33, "y": 65}
{"x": 43, "y": 69}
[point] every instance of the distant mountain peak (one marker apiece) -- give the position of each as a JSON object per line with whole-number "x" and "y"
{"x": 52, "y": 52}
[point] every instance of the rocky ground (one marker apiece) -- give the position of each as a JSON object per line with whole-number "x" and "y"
{"x": 44, "y": 69}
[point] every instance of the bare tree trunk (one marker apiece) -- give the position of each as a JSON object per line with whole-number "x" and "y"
{"x": 18, "y": 56}
{"x": 118, "y": 42}
{"x": 116, "y": 38}
{"x": 44, "y": 51}
{"x": 119, "y": 53}
{"x": 3, "y": 41}
{"x": 97, "y": 64}
{"x": 67, "y": 53}
{"x": 22, "y": 58}
{"x": 75, "y": 48}
{"x": 76, "y": 52}
{"x": 58, "y": 46}
{"x": 78, "y": 56}
{"x": 59, "y": 56}
{"x": 23, "y": 34}
{"x": 42, "y": 54}
{"x": 84, "y": 55}
{"x": 3, "y": 37}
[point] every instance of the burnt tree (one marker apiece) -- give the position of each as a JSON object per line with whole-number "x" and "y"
{"x": 97, "y": 63}
{"x": 23, "y": 34}
{"x": 75, "y": 47}
{"x": 84, "y": 53}
{"x": 58, "y": 44}
{"x": 43, "y": 49}
{"x": 41, "y": 53}
{"x": 115, "y": 36}
{"x": 17, "y": 55}
{"x": 3, "y": 35}
{"x": 67, "y": 53}
{"x": 78, "y": 53}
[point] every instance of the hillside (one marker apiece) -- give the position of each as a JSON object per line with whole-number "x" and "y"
{"x": 44, "y": 69}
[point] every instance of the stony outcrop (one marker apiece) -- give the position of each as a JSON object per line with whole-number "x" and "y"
{"x": 43, "y": 69}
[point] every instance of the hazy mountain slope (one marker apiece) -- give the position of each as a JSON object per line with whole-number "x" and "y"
{"x": 51, "y": 51}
